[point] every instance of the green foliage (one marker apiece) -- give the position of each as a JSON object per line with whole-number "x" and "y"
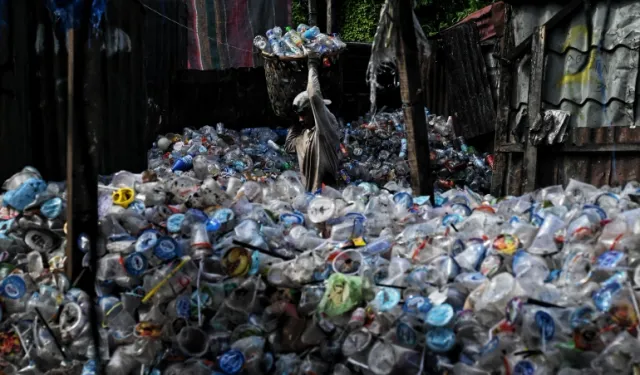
{"x": 437, "y": 15}
{"x": 299, "y": 12}
{"x": 359, "y": 19}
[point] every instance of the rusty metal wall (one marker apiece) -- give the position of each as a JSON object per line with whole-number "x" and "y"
{"x": 456, "y": 81}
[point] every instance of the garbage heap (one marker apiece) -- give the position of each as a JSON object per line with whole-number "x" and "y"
{"x": 252, "y": 275}
{"x": 374, "y": 149}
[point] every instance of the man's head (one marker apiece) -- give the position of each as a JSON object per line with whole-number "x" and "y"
{"x": 302, "y": 107}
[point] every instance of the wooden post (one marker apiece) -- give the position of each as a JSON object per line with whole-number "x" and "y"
{"x": 71, "y": 230}
{"x": 313, "y": 13}
{"x": 498, "y": 183}
{"x": 332, "y": 17}
{"x": 413, "y": 103}
{"x": 534, "y": 106}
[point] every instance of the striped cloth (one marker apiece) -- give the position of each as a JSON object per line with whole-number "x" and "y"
{"x": 223, "y": 30}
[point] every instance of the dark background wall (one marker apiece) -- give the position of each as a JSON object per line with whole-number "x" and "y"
{"x": 146, "y": 90}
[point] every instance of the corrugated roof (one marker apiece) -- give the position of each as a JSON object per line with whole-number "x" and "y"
{"x": 490, "y": 20}
{"x": 576, "y": 68}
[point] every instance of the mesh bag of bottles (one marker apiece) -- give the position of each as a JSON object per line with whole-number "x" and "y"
{"x": 285, "y": 64}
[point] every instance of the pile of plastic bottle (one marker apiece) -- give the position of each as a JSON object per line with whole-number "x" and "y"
{"x": 246, "y": 274}
{"x": 296, "y": 42}
{"x": 374, "y": 149}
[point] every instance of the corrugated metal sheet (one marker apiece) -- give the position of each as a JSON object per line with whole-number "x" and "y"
{"x": 576, "y": 68}
{"x": 465, "y": 83}
{"x": 490, "y": 20}
{"x": 598, "y": 86}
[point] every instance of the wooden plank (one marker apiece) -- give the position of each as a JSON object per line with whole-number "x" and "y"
{"x": 498, "y": 182}
{"x": 534, "y": 105}
{"x": 413, "y": 104}
{"x": 568, "y": 148}
{"x": 594, "y": 147}
{"x": 510, "y": 147}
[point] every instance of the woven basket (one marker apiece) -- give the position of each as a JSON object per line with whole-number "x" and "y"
{"x": 287, "y": 77}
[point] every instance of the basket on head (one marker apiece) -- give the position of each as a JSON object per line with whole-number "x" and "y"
{"x": 287, "y": 77}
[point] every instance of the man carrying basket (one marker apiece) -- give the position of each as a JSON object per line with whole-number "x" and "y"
{"x": 315, "y": 138}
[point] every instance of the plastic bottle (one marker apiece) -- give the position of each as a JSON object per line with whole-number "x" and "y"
{"x": 274, "y": 35}
{"x": 261, "y": 43}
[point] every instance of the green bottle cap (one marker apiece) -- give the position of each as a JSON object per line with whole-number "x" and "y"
{"x": 288, "y": 28}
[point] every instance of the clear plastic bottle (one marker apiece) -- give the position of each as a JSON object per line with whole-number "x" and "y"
{"x": 262, "y": 43}
{"x": 275, "y": 40}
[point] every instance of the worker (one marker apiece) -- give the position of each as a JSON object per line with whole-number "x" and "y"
{"x": 315, "y": 138}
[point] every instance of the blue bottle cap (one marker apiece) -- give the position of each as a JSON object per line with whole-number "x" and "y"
{"x": 441, "y": 340}
{"x": 609, "y": 259}
{"x": 231, "y": 362}
{"x": 137, "y": 206}
{"x": 406, "y": 335}
{"x": 223, "y": 215}
{"x": 135, "y": 264}
{"x": 213, "y": 225}
{"x": 546, "y": 325}
{"x": 13, "y": 287}
{"x": 174, "y": 223}
{"x": 417, "y": 305}
{"x": 524, "y": 368}
{"x": 581, "y": 316}
{"x": 440, "y": 316}
{"x": 167, "y": 248}
{"x": 421, "y": 200}
{"x": 90, "y": 367}
{"x": 52, "y": 208}
{"x": 183, "y": 306}
{"x": 404, "y": 199}
{"x": 147, "y": 240}
{"x": 603, "y": 298}
{"x": 289, "y": 219}
{"x": 451, "y": 219}
{"x": 387, "y": 298}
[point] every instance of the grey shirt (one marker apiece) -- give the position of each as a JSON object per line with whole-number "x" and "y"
{"x": 317, "y": 148}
